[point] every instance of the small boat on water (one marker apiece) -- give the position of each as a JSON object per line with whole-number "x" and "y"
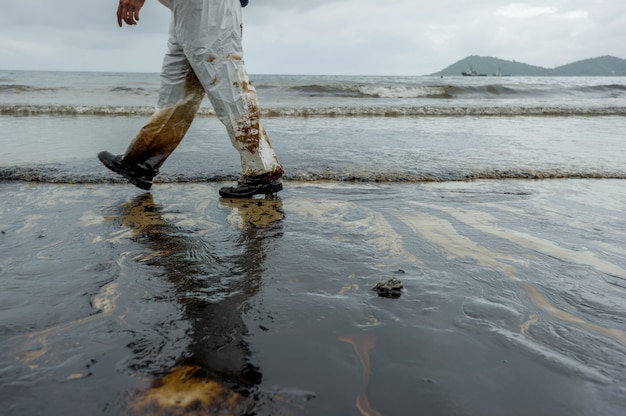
{"x": 500, "y": 74}
{"x": 471, "y": 72}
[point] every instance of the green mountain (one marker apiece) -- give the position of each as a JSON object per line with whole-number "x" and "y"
{"x": 602, "y": 66}
{"x": 488, "y": 66}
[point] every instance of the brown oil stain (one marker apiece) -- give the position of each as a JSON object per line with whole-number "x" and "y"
{"x": 350, "y": 218}
{"x": 31, "y": 221}
{"x": 36, "y": 345}
{"x": 351, "y": 286}
{"x": 186, "y": 391}
{"x": 246, "y": 129}
{"x": 249, "y": 130}
{"x": 488, "y": 223}
{"x": 140, "y": 216}
{"x": 166, "y": 128}
{"x": 233, "y": 57}
{"x": 362, "y": 344}
{"x": 532, "y": 319}
{"x": 442, "y": 233}
{"x": 76, "y": 376}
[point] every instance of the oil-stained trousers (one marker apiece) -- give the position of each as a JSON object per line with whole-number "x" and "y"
{"x": 205, "y": 56}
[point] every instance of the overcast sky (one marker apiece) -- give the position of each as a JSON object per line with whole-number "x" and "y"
{"x": 336, "y": 37}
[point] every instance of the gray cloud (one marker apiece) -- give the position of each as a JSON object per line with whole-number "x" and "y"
{"x": 323, "y": 36}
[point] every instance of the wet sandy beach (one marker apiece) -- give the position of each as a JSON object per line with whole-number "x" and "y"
{"x": 115, "y": 301}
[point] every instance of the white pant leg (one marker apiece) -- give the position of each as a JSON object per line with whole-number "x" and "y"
{"x": 209, "y": 33}
{"x": 174, "y": 72}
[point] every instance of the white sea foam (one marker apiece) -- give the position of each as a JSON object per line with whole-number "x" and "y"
{"x": 335, "y": 111}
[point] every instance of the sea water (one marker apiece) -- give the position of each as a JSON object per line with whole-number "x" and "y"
{"x": 329, "y": 127}
{"x": 498, "y": 201}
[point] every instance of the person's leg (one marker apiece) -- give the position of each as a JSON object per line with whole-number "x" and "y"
{"x": 179, "y": 99}
{"x": 210, "y": 33}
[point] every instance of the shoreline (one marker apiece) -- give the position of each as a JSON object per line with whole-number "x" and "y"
{"x": 111, "y": 294}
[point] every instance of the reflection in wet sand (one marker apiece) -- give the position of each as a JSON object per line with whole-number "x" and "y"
{"x": 186, "y": 391}
{"x": 215, "y": 375}
{"x": 257, "y": 213}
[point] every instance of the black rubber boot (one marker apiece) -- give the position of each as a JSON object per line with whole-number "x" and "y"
{"x": 138, "y": 176}
{"x": 247, "y": 187}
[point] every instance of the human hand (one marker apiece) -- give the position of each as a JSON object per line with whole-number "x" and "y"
{"x": 128, "y": 11}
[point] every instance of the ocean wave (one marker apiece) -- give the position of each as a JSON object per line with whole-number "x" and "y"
{"x": 485, "y": 90}
{"x": 345, "y": 111}
{"x": 609, "y": 90}
{"x": 60, "y": 175}
{"x": 75, "y": 110}
{"x": 19, "y": 88}
{"x": 131, "y": 90}
{"x": 534, "y": 90}
{"x": 436, "y": 90}
{"x": 374, "y": 90}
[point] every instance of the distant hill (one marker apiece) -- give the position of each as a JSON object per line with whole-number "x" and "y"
{"x": 486, "y": 65}
{"x": 602, "y": 66}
